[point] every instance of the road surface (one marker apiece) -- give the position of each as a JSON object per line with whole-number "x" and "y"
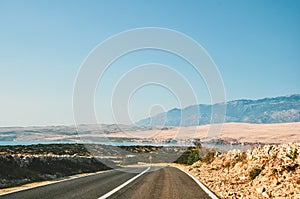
{"x": 166, "y": 183}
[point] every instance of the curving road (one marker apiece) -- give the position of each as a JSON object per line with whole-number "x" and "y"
{"x": 167, "y": 183}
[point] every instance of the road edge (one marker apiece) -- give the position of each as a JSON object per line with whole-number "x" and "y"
{"x": 123, "y": 185}
{"x": 201, "y": 185}
{"x": 54, "y": 181}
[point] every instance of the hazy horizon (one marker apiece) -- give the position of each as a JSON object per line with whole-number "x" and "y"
{"x": 73, "y": 124}
{"x": 254, "y": 44}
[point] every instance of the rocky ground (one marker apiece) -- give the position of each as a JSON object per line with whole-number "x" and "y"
{"x": 20, "y": 169}
{"x": 270, "y": 171}
{"x": 24, "y": 164}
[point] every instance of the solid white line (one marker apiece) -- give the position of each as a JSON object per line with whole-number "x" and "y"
{"x": 54, "y": 182}
{"x": 202, "y": 186}
{"x": 123, "y": 185}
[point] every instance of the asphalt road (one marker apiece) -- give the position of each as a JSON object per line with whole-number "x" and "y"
{"x": 166, "y": 183}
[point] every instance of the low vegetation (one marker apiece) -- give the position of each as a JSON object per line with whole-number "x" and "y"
{"x": 269, "y": 171}
{"x": 24, "y": 164}
{"x": 17, "y": 170}
{"x": 45, "y": 149}
{"x": 254, "y": 173}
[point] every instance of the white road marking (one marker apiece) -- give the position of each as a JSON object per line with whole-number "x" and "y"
{"x": 54, "y": 182}
{"x": 202, "y": 186}
{"x": 123, "y": 185}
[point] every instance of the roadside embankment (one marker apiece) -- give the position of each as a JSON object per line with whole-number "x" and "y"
{"x": 270, "y": 171}
{"x": 20, "y": 169}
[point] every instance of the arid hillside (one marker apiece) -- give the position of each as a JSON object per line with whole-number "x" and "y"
{"x": 231, "y": 132}
{"x": 241, "y": 132}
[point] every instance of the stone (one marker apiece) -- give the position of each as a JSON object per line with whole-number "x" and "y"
{"x": 276, "y": 180}
{"x": 264, "y": 194}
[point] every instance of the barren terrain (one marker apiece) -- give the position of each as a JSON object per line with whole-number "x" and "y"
{"x": 271, "y": 171}
{"x": 231, "y": 132}
{"x": 242, "y": 132}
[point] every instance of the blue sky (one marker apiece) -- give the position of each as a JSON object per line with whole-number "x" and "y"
{"x": 255, "y": 45}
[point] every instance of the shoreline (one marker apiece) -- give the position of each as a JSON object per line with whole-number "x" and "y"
{"x": 261, "y": 172}
{"x": 233, "y": 133}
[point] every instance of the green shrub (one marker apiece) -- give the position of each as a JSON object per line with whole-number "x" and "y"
{"x": 190, "y": 156}
{"x": 254, "y": 173}
{"x": 193, "y": 157}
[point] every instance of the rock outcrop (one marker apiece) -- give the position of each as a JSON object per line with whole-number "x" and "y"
{"x": 271, "y": 171}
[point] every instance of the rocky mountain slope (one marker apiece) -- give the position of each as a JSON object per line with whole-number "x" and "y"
{"x": 263, "y": 111}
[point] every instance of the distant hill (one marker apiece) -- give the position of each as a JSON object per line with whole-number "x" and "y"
{"x": 263, "y": 111}
{"x": 83, "y": 132}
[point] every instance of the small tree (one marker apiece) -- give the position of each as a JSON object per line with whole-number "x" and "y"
{"x": 193, "y": 157}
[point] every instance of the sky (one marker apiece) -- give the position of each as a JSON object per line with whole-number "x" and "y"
{"x": 254, "y": 44}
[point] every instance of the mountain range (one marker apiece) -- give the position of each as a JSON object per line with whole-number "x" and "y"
{"x": 262, "y": 111}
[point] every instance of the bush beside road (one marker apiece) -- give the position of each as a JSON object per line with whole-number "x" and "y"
{"x": 270, "y": 171}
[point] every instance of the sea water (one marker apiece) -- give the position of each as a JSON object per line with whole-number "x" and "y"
{"x": 223, "y": 147}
